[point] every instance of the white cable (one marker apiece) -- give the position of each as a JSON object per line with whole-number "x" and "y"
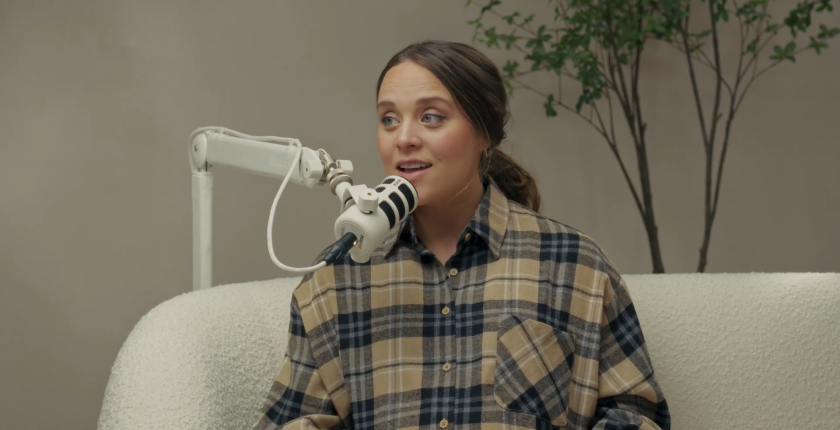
{"x": 295, "y": 162}
{"x": 271, "y": 220}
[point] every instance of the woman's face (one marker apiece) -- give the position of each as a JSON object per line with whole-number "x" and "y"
{"x": 424, "y": 137}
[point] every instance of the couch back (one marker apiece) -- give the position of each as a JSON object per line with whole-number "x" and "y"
{"x": 730, "y": 351}
{"x": 744, "y": 350}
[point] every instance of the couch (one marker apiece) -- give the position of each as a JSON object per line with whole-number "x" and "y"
{"x": 743, "y": 351}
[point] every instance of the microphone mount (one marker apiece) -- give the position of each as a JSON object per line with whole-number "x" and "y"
{"x": 280, "y": 158}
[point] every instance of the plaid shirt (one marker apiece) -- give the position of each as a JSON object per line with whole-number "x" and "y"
{"x": 527, "y": 326}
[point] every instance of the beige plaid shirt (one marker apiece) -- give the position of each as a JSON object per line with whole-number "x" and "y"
{"x": 527, "y": 326}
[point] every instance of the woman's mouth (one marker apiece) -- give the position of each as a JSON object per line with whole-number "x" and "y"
{"x": 413, "y": 171}
{"x": 415, "y": 167}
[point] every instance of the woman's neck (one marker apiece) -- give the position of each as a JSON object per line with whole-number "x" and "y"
{"x": 440, "y": 225}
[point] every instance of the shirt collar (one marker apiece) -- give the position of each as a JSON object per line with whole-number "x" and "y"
{"x": 489, "y": 222}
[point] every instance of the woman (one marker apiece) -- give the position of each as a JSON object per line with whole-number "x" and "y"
{"x": 477, "y": 312}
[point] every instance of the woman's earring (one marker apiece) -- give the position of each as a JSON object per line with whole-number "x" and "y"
{"x": 485, "y": 153}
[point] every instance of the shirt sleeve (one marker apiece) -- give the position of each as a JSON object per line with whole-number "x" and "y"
{"x": 299, "y": 398}
{"x": 629, "y": 396}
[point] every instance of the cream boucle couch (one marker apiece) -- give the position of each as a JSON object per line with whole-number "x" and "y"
{"x": 732, "y": 351}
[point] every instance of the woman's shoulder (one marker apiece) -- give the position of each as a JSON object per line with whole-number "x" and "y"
{"x": 314, "y": 284}
{"x": 552, "y": 234}
{"x": 523, "y": 219}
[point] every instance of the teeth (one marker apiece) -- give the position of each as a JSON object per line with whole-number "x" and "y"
{"x": 415, "y": 166}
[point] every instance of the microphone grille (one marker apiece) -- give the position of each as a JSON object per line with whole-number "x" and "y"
{"x": 398, "y": 203}
{"x": 409, "y": 197}
{"x": 386, "y": 208}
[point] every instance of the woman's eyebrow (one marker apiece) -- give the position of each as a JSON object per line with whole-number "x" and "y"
{"x": 424, "y": 100}
{"x": 385, "y": 103}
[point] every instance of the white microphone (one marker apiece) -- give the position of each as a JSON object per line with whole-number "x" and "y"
{"x": 363, "y": 227}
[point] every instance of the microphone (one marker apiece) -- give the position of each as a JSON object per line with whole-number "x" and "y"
{"x": 362, "y": 227}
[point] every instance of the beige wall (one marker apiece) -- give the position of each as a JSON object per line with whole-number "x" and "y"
{"x": 97, "y": 100}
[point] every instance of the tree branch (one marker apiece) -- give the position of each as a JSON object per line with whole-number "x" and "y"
{"x": 623, "y": 96}
{"x": 776, "y": 62}
{"x": 636, "y": 102}
{"x": 704, "y": 60}
{"x": 708, "y": 64}
{"x": 523, "y": 85}
{"x": 609, "y": 104}
{"x": 741, "y": 31}
{"x": 610, "y": 138}
{"x": 754, "y": 60}
{"x": 716, "y": 106}
{"x": 765, "y": 69}
{"x": 519, "y": 26}
{"x": 693, "y": 76}
{"x": 614, "y": 147}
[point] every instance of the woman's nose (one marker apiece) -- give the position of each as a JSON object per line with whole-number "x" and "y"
{"x": 407, "y": 138}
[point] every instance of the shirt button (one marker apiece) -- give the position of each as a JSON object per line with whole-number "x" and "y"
{"x": 444, "y": 424}
{"x": 447, "y": 367}
{"x": 453, "y": 272}
{"x": 445, "y": 310}
{"x": 467, "y": 237}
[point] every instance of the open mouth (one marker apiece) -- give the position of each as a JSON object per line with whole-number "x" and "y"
{"x": 408, "y": 168}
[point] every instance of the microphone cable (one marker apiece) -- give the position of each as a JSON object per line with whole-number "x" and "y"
{"x": 295, "y": 162}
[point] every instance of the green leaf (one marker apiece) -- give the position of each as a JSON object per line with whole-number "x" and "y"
{"x": 750, "y": 11}
{"x": 817, "y": 45}
{"x": 785, "y": 53}
{"x": 751, "y": 46}
{"x": 510, "y": 18}
{"x": 492, "y": 40}
{"x": 622, "y": 58}
{"x": 827, "y": 33}
{"x": 528, "y": 19}
{"x": 579, "y": 105}
{"x": 509, "y": 39}
{"x": 720, "y": 11}
{"x": 510, "y": 67}
{"x": 825, "y": 5}
{"x": 703, "y": 34}
{"x": 779, "y": 53}
{"x": 772, "y": 28}
{"x": 799, "y": 18}
{"x": 549, "y": 106}
{"x": 510, "y": 88}
{"x": 477, "y": 32}
{"x": 491, "y": 5}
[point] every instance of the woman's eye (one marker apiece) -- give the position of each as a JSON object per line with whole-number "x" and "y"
{"x": 388, "y": 120}
{"x": 432, "y": 118}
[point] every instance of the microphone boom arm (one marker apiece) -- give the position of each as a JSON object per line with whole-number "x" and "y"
{"x": 211, "y": 146}
{"x": 267, "y": 156}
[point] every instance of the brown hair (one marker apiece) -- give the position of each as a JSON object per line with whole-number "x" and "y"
{"x": 477, "y": 86}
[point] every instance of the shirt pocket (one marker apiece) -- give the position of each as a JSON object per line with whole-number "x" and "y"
{"x": 534, "y": 364}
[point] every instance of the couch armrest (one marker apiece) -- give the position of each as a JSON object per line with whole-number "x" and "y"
{"x": 202, "y": 360}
